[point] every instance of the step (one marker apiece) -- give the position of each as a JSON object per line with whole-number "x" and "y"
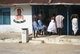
{"x": 57, "y": 40}
{"x": 38, "y": 38}
{"x": 62, "y": 41}
{"x": 36, "y": 41}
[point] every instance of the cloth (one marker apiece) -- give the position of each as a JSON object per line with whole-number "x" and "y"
{"x": 59, "y": 21}
{"x": 75, "y": 25}
{"x": 40, "y": 25}
{"x": 52, "y": 27}
{"x": 35, "y": 26}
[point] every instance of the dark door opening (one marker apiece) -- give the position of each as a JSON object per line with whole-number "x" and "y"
{"x": 48, "y": 11}
{"x": 75, "y": 9}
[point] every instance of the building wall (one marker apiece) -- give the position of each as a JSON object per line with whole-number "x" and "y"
{"x": 17, "y": 27}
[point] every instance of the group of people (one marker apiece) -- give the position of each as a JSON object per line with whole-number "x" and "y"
{"x": 37, "y": 25}
{"x": 55, "y": 25}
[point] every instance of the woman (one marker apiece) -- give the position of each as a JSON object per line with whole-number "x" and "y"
{"x": 74, "y": 23}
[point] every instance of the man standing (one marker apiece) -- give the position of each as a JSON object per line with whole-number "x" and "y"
{"x": 59, "y": 23}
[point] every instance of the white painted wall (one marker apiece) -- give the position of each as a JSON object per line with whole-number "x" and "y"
{"x": 16, "y": 27}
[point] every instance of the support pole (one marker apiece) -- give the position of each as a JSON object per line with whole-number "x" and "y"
{"x": 67, "y": 20}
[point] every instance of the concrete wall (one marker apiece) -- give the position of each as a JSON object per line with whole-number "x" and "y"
{"x": 16, "y": 27}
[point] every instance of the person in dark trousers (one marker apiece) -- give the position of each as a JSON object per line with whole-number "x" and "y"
{"x": 59, "y": 23}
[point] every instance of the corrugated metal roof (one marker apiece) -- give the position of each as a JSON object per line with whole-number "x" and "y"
{"x": 37, "y": 1}
{"x": 67, "y": 1}
{"x": 13, "y": 1}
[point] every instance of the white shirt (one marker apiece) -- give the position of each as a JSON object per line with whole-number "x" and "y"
{"x": 59, "y": 21}
{"x": 52, "y": 27}
{"x": 75, "y": 24}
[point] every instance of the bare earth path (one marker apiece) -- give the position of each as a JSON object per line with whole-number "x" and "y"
{"x": 19, "y": 48}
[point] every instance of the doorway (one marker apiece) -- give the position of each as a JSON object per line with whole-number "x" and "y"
{"x": 74, "y": 9}
{"x": 48, "y": 10}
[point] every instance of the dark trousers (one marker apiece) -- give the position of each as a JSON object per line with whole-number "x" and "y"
{"x": 59, "y": 31}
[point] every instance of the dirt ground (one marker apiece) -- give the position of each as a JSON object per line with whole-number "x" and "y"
{"x": 19, "y": 48}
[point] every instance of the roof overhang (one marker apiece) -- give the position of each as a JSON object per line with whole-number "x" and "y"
{"x": 39, "y": 2}
{"x": 43, "y": 4}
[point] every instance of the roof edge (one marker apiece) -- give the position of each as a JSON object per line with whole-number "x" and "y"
{"x": 40, "y": 4}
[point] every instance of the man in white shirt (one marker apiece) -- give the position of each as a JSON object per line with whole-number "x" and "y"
{"x": 59, "y": 23}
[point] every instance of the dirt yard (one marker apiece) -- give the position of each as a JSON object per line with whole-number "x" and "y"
{"x": 19, "y": 48}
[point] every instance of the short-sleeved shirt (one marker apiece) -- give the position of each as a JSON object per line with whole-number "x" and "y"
{"x": 59, "y": 21}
